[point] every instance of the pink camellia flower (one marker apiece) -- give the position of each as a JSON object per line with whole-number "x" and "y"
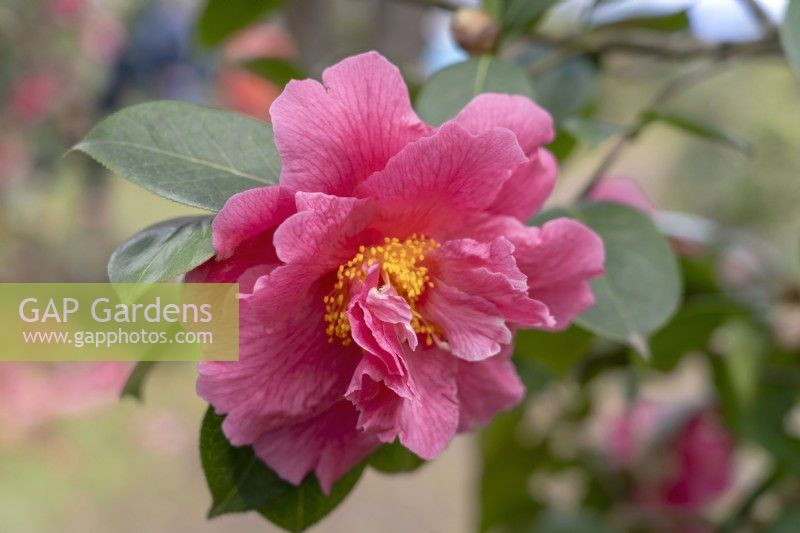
{"x": 383, "y": 279}
{"x": 679, "y": 457}
{"x": 622, "y": 191}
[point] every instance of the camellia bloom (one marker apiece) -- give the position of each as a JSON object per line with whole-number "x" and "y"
{"x": 383, "y": 279}
{"x": 681, "y": 457}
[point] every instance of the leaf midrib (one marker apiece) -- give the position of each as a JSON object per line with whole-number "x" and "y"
{"x": 179, "y": 156}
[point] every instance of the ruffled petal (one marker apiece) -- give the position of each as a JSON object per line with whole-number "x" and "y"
{"x": 529, "y": 186}
{"x": 241, "y": 234}
{"x": 325, "y": 232}
{"x": 328, "y": 444}
{"x": 486, "y": 388}
{"x": 559, "y": 259}
{"x": 433, "y": 182}
{"x": 332, "y": 136}
{"x": 422, "y": 410}
{"x": 526, "y": 191}
{"x": 473, "y": 327}
{"x": 489, "y": 270}
{"x": 532, "y": 125}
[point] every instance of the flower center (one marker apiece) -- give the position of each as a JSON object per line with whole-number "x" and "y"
{"x": 401, "y": 266}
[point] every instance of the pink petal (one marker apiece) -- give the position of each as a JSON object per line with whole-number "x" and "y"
{"x": 559, "y": 259}
{"x": 380, "y": 322}
{"x": 422, "y": 411}
{"x": 486, "y": 388}
{"x": 532, "y": 125}
{"x": 325, "y": 232}
{"x": 328, "y": 444}
{"x": 242, "y": 236}
{"x": 530, "y": 185}
{"x": 473, "y": 327}
{"x": 287, "y": 370}
{"x": 332, "y": 136}
{"x": 489, "y": 270}
{"x": 526, "y": 191}
{"x": 247, "y": 214}
{"x": 434, "y": 181}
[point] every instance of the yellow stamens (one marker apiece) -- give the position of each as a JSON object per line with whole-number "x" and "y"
{"x": 401, "y": 265}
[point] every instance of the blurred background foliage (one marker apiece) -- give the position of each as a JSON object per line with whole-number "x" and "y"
{"x": 691, "y": 100}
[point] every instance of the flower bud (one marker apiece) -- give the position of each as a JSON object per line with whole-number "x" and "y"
{"x": 474, "y": 30}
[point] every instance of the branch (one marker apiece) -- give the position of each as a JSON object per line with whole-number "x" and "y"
{"x": 441, "y": 4}
{"x": 667, "y": 49}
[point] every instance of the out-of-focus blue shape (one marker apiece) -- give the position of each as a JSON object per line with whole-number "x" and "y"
{"x": 721, "y": 21}
{"x": 159, "y": 58}
{"x": 441, "y": 50}
{"x": 711, "y": 20}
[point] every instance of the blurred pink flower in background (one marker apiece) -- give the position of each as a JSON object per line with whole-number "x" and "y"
{"x": 383, "y": 279}
{"x": 679, "y": 457}
{"x": 622, "y": 191}
{"x": 65, "y": 11}
{"x": 35, "y": 394}
{"x": 32, "y": 96}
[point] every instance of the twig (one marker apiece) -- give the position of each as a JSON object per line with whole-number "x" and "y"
{"x": 758, "y": 11}
{"x": 667, "y": 92}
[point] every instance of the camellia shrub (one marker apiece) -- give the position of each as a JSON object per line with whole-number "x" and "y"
{"x": 402, "y": 281}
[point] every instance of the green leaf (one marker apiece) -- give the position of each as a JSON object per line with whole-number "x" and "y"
{"x": 790, "y": 34}
{"x": 134, "y": 386}
{"x": 448, "y": 90}
{"x": 641, "y": 288}
{"x": 191, "y": 154}
{"x": 221, "y": 18}
{"x": 278, "y": 71}
{"x": 517, "y": 16}
{"x": 161, "y": 252}
{"x": 303, "y": 506}
{"x": 706, "y": 131}
{"x": 690, "y": 329}
{"x": 567, "y": 88}
{"x": 671, "y": 22}
{"x": 557, "y": 351}
{"x": 394, "y": 458}
{"x": 239, "y": 481}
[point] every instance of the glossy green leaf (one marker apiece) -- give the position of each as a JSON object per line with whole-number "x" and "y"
{"x": 790, "y": 34}
{"x": 641, "y": 288}
{"x": 278, "y": 71}
{"x": 567, "y": 88}
{"x": 447, "y": 91}
{"x": 705, "y": 131}
{"x": 188, "y": 153}
{"x": 221, "y": 18}
{"x": 163, "y": 251}
{"x": 239, "y": 481}
{"x": 517, "y": 16}
{"x": 394, "y": 458}
{"x": 557, "y": 351}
